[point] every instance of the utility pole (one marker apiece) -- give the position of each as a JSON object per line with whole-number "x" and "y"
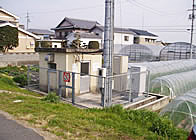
{"x": 192, "y": 28}
{"x": 108, "y": 49}
{"x": 28, "y": 20}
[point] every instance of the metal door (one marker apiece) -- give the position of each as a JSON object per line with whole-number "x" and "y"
{"x": 84, "y": 77}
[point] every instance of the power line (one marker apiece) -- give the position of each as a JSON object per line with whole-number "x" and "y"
{"x": 65, "y": 10}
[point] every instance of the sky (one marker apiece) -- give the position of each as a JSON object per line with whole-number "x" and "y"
{"x": 166, "y": 18}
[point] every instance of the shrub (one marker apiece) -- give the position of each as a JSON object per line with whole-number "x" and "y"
{"x": 21, "y": 79}
{"x": 52, "y": 98}
{"x": 93, "y": 45}
{"x": 7, "y": 81}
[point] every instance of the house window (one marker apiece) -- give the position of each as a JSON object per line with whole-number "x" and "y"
{"x": 60, "y": 34}
{"x": 55, "y": 46}
{"x": 52, "y": 66}
{"x": 32, "y": 44}
{"x": 147, "y": 40}
{"x": 126, "y": 38}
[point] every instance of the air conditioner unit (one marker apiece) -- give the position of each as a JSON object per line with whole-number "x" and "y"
{"x": 49, "y": 58}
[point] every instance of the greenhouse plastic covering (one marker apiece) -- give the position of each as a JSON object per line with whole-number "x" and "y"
{"x": 162, "y": 68}
{"x": 177, "y": 51}
{"x": 138, "y": 52}
{"x": 182, "y": 110}
{"x": 175, "y": 84}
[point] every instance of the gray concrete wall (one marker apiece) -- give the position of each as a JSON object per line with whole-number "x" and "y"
{"x": 18, "y": 59}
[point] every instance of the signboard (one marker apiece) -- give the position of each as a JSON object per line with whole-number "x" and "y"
{"x": 66, "y": 77}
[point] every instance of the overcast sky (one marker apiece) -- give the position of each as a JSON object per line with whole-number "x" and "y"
{"x": 166, "y": 18}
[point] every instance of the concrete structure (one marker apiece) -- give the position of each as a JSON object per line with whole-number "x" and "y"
{"x": 83, "y": 61}
{"x": 26, "y": 39}
{"x": 18, "y": 59}
{"x": 52, "y": 43}
{"x": 85, "y": 38}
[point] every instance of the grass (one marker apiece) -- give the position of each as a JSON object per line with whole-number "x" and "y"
{"x": 6, "y": 83}
{"x": 70, "y": 122}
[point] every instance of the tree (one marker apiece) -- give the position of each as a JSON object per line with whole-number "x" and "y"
{"x": 8, "y": 38}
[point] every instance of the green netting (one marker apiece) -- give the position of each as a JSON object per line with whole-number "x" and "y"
{"x": 182, "y": 110}
{"x": 175, "y": 84}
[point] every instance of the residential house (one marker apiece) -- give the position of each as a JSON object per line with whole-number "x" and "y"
{"x": 144, "y": 37}
{"x": 69, "y": 25}
{"x": 47, "y": 38}
{"x": 92, "y": 30}
{"x": 43, "y": 33}
{"x": 26, "y": 39}
{"x": 122, "y": 36}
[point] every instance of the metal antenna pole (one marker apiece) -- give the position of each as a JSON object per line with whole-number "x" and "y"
{"x": 28, "y": 20}
{"x": 108, "y": 47}
{"x": 192, "y": 28}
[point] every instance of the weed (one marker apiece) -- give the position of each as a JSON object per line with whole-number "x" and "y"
{"x": 52, "y": 98}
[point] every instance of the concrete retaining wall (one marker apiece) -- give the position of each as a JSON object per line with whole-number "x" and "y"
{"x": 17, "y": 59}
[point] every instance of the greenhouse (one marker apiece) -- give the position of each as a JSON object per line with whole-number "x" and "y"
{"x": 163, "y": 68}
{"x": 174, "y": 85}
{"x": 138, "y": 52}
{"x": 177, "y": 51}
{"x": 182, "y": 110}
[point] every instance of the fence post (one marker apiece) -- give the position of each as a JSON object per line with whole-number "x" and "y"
{"x": 59, "y": 84}
{"x": 148, "y": 86}
{"x": 48, "y": 81}
{"x": 73, "y": 88}
{"x": 130, "y": 93}
{"x": 28, "y": 77}
{"x": 103, "y": 91}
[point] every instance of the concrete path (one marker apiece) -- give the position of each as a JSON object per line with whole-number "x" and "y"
{"x": 11, "y": 130}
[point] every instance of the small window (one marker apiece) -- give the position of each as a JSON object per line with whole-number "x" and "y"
{"x": 84, "y": 69}
{"x": 52, "y": 66}
{"x": 60, "y": 34}
{"x": 147, "y": 40}
{"x": 126, "y": 38}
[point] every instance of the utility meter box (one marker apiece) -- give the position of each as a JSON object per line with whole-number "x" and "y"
{"x": 138, "y": 80}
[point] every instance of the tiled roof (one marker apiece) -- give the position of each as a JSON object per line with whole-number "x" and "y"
{"x": 118, "y": 30}
{"x": 142, "y": 32}
{"x": 41, "y": 32}
{"x": 78, "y": 23}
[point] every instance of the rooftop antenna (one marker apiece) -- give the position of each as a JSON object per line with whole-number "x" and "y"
{"x": 28, "y": 20}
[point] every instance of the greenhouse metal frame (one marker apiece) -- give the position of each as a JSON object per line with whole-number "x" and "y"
{"x": 177, "y": 51}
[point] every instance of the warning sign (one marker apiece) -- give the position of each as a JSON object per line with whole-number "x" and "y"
{"x": 66, "y": 77}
